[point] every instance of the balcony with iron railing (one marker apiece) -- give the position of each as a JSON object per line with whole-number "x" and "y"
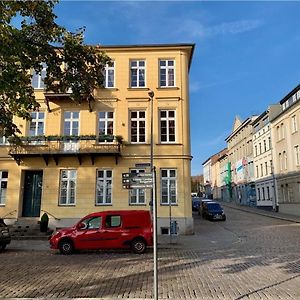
{"x": 54, "y": 147}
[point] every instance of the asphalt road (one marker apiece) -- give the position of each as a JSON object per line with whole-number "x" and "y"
{"x": 247, "y": 257}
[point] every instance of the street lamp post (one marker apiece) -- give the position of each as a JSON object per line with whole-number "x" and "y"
{"x": 154, "y": 204}
{"x": 274, "y": 188}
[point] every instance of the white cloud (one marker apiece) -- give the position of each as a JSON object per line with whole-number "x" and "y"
{"x": 195, "y": 29}
{"x": 214, "y": 141}
{"x": 195, "y": 86}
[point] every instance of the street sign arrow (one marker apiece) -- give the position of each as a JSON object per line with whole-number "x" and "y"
{"x": 141, "y": 186}
{"x": 144, "y": 175}
{"x": 142, "y": 180}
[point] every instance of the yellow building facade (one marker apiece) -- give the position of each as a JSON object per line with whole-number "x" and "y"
{"x": 73, "y": 156}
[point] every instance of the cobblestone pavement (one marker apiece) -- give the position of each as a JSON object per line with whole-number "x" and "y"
{"x": 247, "y": 257}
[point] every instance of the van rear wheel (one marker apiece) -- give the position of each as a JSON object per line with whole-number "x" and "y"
{"x": 138, "y": 246}
{"x": 66, "y": 247}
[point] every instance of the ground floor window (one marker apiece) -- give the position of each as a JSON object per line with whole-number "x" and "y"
{"x": 168, "y": 186}
{"x": 67, "y": 187}
{"x": 104, "y": 187}
{"x": 3, "y": 186}
{"x": 137, "y": 196}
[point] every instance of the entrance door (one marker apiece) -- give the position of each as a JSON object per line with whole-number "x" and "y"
{"x": 32, "y": 193}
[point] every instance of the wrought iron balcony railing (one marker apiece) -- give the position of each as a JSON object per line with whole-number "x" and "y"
{"x": 55, "y": 146}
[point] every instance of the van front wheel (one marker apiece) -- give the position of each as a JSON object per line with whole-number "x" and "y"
{"x": 138, "y": 246}
{"x": 66, "y": 247}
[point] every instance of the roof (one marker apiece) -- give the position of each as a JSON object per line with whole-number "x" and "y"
{"x": 215, "y": 156}
{"x": 178, "y": 45}
{"x": 246, "y": 122}
{"x": 285, "y": 98}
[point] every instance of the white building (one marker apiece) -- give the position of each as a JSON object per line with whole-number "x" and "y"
{"x": 265, "y": 185}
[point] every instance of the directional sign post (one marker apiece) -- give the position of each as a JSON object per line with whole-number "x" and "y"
{"x": 137, "y": 181}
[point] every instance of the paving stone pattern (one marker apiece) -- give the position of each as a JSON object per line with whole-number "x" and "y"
{"x": 247, "y": 257}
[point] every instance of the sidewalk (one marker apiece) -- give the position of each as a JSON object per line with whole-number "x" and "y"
{"x": 254, "y": 210}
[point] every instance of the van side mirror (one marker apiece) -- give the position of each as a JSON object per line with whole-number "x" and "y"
{"x": 81, "y": 226}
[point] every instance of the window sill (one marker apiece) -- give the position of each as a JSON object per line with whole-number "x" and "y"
{"x": 103, "y": 204}
{"x": 137, "y": 144}
{"x": 137, "y": 204}
{"x": 2, "y": 204}
{"x": 138, "y": 88}
{"x": 110, "y": 88}
{"x": 167, "y": 88}
{"x": 67, "y": 205}
{"x": 282, "y": 139}
{"x": 294, "y": 132}
{"x": 169, "y": 143}
{"x": 167, "y": 204}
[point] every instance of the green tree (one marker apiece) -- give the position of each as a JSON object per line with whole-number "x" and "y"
{"x": 39, "y": 39}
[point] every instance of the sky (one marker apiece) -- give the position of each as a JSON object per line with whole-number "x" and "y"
{"x": 247, "y": 53}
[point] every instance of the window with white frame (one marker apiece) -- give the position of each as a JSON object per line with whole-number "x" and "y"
{"x": 269, "y": 139}
{"x": 284, "y": 160}
{"x": 104, "y": 187}
{"x": 261, "y": 170}
{"x": 137, "y": 73}
{"x": 167, "y": 126}
{"x": 257, "y": 174}
{"x": 137, "y": 196}
{"x": 138, "y": 126}
{"x": 294, "y": 124}
{"x": 109, "y": 75}
{"x": 282, "y": 131}
{"x": 67, "y": 187}
{"x": 297, "y": 155}
{"x": 278, "y": 133}
{"x": 3, "y": 186}
{"x": 266, "y": 168}
{"x": 166, "y": 73}
{"x": 3, "y": 140}
{"x": 280, "y": 162}
{"x": 106, "y": 123}
{"x": 36, "y": 125}
{"x": 71, "y": 123}
{"x": 168, "y": 186}
{"x": 37, "y": 80}
{"x": 271, "y": 166}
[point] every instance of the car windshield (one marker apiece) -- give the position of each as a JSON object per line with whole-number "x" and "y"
{"x": 214, "y": 206}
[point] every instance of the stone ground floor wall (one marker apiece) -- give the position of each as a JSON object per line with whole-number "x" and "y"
{"x": 60, "y": 215}
{"x": 289, "y": 193}
{"x": 242, "y": 194}
{"x": 265, "y": 193}
{"x": 184, "y": 226}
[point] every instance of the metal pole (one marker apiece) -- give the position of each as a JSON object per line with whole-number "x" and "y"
{"x": 275, "y": 188}
{"x": 170, "y": 213}
{"x": 155, "y": 277}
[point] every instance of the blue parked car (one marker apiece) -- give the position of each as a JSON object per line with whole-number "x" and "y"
{"x": 196, "y": 201}
{"x": 213, "y": 211}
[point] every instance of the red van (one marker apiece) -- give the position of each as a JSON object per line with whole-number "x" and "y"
{"x": 107, "y": 230}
